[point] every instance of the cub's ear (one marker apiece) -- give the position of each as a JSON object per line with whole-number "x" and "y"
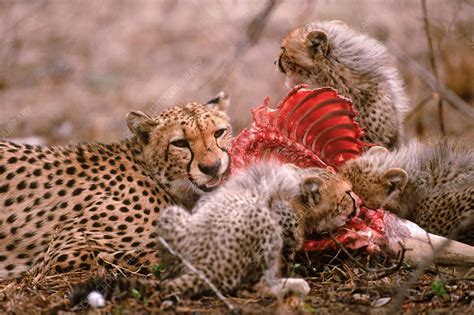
{"x": 337, "y": 22}
{"x": 396, "y": 180}
{"x": 220, "y": 102}
{"x": 311, "y": 190}
{"x": 318, "y": 43}
{"x": 377, "y": 149}
{"x": 140, "y": 124}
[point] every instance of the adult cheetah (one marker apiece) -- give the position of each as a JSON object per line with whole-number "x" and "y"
{"x": 64, "y": 208}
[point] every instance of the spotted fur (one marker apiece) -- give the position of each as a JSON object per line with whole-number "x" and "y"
{"x": 431, "y": 184}
{"x": 64, "y": 208}
{"x": 247, "y": 231}
{"x": 359, "y": 67}
{"x": 253, "y": 224}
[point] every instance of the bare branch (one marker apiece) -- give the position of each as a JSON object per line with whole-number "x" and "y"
{"x": 415, "y": 110}
{"x": 253, "y": 34}
{"x": 452, "y": 98}
{"x": 434, "y": 67}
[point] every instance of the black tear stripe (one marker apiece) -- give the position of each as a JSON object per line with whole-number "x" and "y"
{"x": 167, "y": 152}
{"x": 228, "y": 155}
{"x": 188, "y": 168}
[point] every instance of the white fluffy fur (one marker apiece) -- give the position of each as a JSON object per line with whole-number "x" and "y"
{"x": 96, "y": 299}
{"x": 367, "y": 56}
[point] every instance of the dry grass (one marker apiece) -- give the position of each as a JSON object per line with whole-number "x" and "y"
{"x": 337, "y": 286}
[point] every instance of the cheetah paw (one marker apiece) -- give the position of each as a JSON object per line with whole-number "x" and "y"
{"x": 298, "y": 286}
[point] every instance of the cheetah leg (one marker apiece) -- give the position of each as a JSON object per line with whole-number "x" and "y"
{"x": 272, "y": 283}
{"x": 136, "y": 261}
{"x": 81, "y": 255}
{"x": 75, "y": 249}
{"x": 64, "y": 254}
{"x": 173, "y": 224}
{"x": 187, "y": 285}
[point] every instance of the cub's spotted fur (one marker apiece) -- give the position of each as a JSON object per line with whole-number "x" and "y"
{"x": 64, "y": 208}
{"x": 359, "y": 67}
{"x": 246, "y": 232}
{"x": 429, "y": 184}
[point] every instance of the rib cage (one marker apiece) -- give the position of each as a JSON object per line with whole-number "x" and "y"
{"x": 308, "y": 128}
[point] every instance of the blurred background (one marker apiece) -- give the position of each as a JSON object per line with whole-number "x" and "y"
{"x": 71, "y": 70}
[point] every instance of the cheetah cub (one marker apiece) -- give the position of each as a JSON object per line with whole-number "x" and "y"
{"x": 359, "y": 67}
{"x": 252, "y": 225}
{"x": 244, "y": 235}
{"x": 429, "y": 184}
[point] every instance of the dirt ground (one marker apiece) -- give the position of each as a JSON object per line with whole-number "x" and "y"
{"x": 337, "y": 286}
{"x": 71, "y": 70}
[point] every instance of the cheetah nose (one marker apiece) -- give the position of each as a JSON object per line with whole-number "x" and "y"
{"x": 211, "y": 169}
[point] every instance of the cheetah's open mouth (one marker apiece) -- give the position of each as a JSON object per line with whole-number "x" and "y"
{"x": 211, "y": 184}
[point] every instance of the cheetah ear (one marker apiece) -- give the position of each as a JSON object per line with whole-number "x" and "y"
{"x": 140, "y": 124}
{"x": 311, "y": 189}
{"x": 220, "y": 102}
{"x": 337, "y": 22}
{"x": 377, "y": 149}
{"x": 396, "y": 179}
{"x": 318, "y": 43}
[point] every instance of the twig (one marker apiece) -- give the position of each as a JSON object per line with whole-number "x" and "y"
{"x": 402, "y": 289}
{"x": 452, "y": 98}
{"x": 197, "y": 272}
{"x": 418, "y": 107}
{"x": 434, "y": 67}
{"x": 253, "y": 34}
{"x": 416, "y": 112}
{"x": 379, "y": 272}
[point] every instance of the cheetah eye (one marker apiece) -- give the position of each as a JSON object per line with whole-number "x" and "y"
{"x": 181, "y": 143}
{"x": 278, "y": 62}
{"x": 219, "y": 132}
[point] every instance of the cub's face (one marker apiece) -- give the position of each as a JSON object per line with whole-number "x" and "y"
{"x": 301, "y": 51}
{"x": 307, "y": 56}
{"x": 377, "y": 185}
{"x": 327, "y": 199}
{"x": 186, "y": 147}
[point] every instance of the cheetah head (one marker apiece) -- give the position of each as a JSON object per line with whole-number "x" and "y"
{"x": 376, "y": 185}
{"x": 326, "y": 53}
{"x": 302, "y": 50}
{"x": 327, "y": 199}
{"x": 186, "y": 147}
